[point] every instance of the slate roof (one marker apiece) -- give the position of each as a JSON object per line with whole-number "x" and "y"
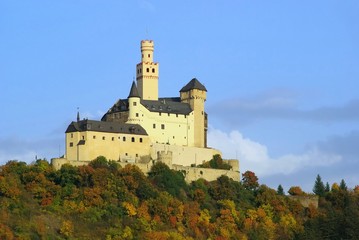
{"x": 100, "y": 126}
{"x": 133, "y": 91}
{"x": 193, "y": 84}
{"x": 167, "y": 105}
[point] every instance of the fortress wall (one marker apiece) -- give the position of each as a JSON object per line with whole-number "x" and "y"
{"x": 185, "y": 156}
{"x": 306, "y": 200}
{"x": 209, "y": 174}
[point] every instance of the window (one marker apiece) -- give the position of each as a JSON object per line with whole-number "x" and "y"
{"x": 162, "y": 126}
{"x": 126, "y": 154}
{"x": 83, "y": 137}
{"x": 149, "y": 55}
{"x": 185, "y": 116}
{"x": 153, "y": 70}
{"x": 159, "y": 114}
{"x": 137, "y": 114}
{"x": 132, "y": 139}
{"x": 136, "y": 154}
{"x": 169, "y": 114}
{"x": 124, "y": 139}
{"x": 176, "y": 115}
{"x": 140, "y": 139}
{"x": 113, "y": 139}
{"x": 147, "y": 70}
{"x": 154, "y": 125}
{"x": 134, "y": 103}
{"x": 103, "y": 138}
{"x": 94, "y": 137}
{"x": 71, "y": 144}
{"x": 72, "y": 135}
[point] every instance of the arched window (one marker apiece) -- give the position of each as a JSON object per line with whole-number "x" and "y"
{"x": 147, "y": 70}
{"x": 153, "y": 70}
{"x": 133, "y": 139}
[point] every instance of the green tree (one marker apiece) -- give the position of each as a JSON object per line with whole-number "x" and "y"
{"x": 319, "y": 188}
{"x": 327, "y": 187}
{"x": 343, "y": 185}
{"x": 280, "y": 190}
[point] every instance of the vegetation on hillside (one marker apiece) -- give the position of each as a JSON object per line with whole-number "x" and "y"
{"x": 104, "y": 201}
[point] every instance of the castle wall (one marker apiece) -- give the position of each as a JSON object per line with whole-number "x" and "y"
{"x": 185, "y": 156}
{"x": 88, "y": 145}
{"x": 191, "y": 173}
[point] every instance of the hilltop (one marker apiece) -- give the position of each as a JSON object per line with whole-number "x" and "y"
{"x": 105, "y": 201}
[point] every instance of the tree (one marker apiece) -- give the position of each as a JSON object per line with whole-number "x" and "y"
{"x": 250, "y": 180}
{"x": 319, "y": 188}
{"x": 343, "y": 185}
{"x": 295, "y": 191}
{"x": 280, "y": 190}
{"x": 327, "y": 187}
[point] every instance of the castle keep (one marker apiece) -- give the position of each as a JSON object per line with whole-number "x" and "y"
{"x": 144, "y": 128}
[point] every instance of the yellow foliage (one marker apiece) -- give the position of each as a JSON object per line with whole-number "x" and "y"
{"x": 67, "y": 228}
{"x": 131, "y": 210}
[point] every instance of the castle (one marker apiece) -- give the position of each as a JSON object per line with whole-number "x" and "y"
{"x": 144, "y": 128}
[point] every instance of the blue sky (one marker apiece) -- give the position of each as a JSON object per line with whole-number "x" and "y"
{"x": 282, "y": 76}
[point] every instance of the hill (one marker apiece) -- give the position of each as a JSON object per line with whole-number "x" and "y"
{"x": 104, "y": 201}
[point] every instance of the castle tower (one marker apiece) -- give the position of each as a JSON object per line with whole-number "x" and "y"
{"x": 133, "y": 105}
{"x": 195, "y": 94}
{"x": 147, "y": 72}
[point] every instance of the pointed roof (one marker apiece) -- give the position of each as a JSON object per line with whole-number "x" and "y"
{"x": 193, "y": 84}
{"x": 133, "y": 91}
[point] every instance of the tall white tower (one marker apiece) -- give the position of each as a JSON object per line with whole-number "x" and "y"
{"x": 147, "y": 72}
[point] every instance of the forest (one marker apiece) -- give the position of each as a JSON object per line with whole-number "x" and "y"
{"x": 105, "y": 201}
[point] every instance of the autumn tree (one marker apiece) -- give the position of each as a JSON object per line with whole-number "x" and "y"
{"x": 250, "y": 180}
{"x": 295, "y": 191}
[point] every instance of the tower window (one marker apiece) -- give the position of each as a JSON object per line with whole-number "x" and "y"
{"x": 94, "y": 137}
{"x": 137, "y": 114}
{"x": 72, "y": 135}
{"x": 149, "y": 55}
{"x": 132, "y": 139}
{"x": 162, "y": 126}
{"x": 153, "y": 70}
{"x": 103, "y": 138}
{"x": 71, "y": 144}
{"x": 134, "y": 103}
{"x": 147, "y": 70}
{"x": 140, "y": 139}
{"x": 124, "y": 139}
{"x": 113, "y": 139}
{"x": 154, "y": 125}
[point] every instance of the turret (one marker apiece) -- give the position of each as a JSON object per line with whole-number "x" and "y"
{"x": 133, "y": 104}
{"x": 195, "y": 94}
{"x": 147, "y": 72}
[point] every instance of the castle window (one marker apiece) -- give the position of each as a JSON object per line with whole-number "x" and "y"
{"x": 103, "y": 138}
{"x": 124, "y": 139}
{"x": 137, "y": 114}
{"x": 149, "y": 55}
{"x": 185, "y": 116}
{"x": 94, "y": 137}
{"x": 160, "y": 114}
{"x": 153, "y": 70}
{"x": 134, "y": 103}
{"x": 169, "y": 114}
{"x": 83, "y": 137}
{"x": 136, "y": 154}
{"x": 113, "y": 139}
{"x": 147, "y": 70}
{"x": 71, "y": 144}
{"x": 176, "y": 115}
{"x": 126, "y": 154}
{"x": 154, "y": 125}
{"x": 72, "y": 135}
{"x": 173, "y": 137}
{"x": 132, "y": 139}
{"x": 162, "y": 126}
{"x": 140, "y": 139}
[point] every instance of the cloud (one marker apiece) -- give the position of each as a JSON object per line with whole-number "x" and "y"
{"x": 254, "y": 156}
{"x": 281, "y": 105}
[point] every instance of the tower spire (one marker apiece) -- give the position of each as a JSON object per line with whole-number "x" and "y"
{"x": 78, "y": 115}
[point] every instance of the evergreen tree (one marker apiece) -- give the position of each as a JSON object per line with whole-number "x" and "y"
{"x": 343, "y": 185}
{"x": 280, "y": 190}
{"x": 319, "y": 188}
{"x": 327, "y": 187}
